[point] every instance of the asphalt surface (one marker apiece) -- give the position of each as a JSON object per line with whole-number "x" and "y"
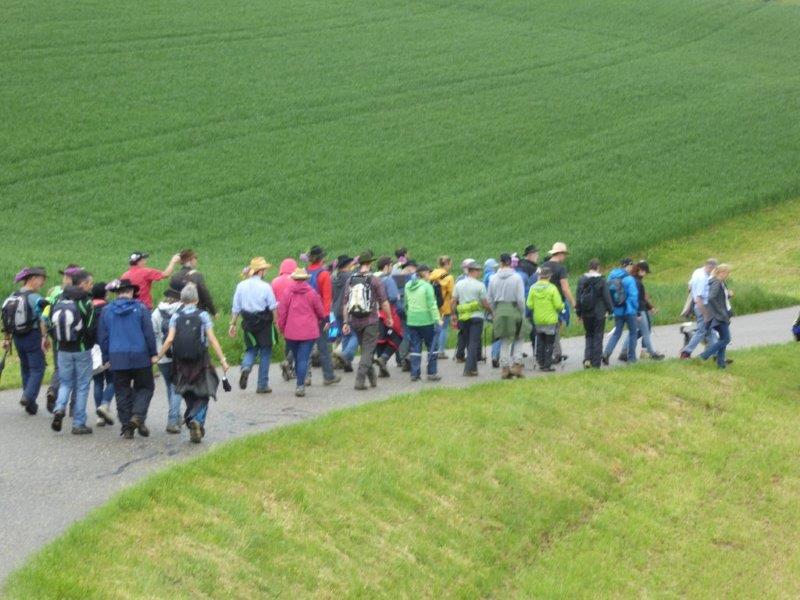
{"x": 49, "y": 480}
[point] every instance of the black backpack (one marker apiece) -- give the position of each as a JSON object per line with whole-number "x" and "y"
{"x": 165, "y": 317}
{"x": 618, "y": 294}
{"x": 17, "y": 315}
{"x": 437, "y": 291}
{"x": 588, "y": 297}
{"x": 67, "y": 321}
{"x": 189, "y": 337}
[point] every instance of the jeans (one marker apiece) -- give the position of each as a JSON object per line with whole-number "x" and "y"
{"x": 417, "y": 336}
{"x": 31, "y": 365}
{"x": 702, "y": 332}
{"x": 367, "y": 339}
{"x": 134, "y": 389}
{"x": 643, "y": 323}
{"x": 545, "y": 344}
{"x": 301, "y": 349}
{"x": 441, "y": 335}
{"x": 718, "y": 347}
{"x": 55, "y": 381}
{"x": 173, "y": 397}
{"x": 324, "y": 348}
{"x": 75, "y": 370}
{"x": 349, "y": 346}
{"x": 595, "y": 327}
{"x": 196, "y": 408}
{"x": 103, "y": 388}
{"x": 619, "y": 325}
{"x": 473, "y": 330}
{"x": 249, "y": 359}
{"x": 496, "y": 350}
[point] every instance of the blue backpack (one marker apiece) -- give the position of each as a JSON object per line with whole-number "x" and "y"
{"x": 617, "y": 290}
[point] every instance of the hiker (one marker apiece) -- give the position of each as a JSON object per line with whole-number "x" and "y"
{"x": 188, "y": 273}
{"x": 528, "y": 264}
{"x": 461, "y": 337}
{"x": 718, "y": 312}
{"x": 320, "y": 281}
{"x": 390, "y": 339}
{"x": 299, "y": 316}
{"x": 349, "y": 343}
{"x": 639, "y": 271}
{"x": 143, "y": 276}
{"x": 796, "y": 329}
{"x": 23, "y": 325}
{"x": 560, "y": 279}
{"x": 279, "y": 286}
{"x": 363, "y": 297}
{"x": 698, "y": 292}
{"x": 490, "y": 267}
{"x": 75, "y": 327}
{"x": 442, "y": 279}
{"x": 191, "y": 331}
{"x": 128, "y": 345}
{"x": 408, "y": 273}
{"x": 592, "y": 306}
{"x": 469, "y": 303}
{"x": 546, "y": 304}
{"x": 527, "y": 268}
{"x": 254, "y": 300}
{"x": 625, "y": 301}
{"x": 422, "y": 319}
{"x": 53, "y": 296}
{"x": 401, "y": 256}
{"x": 506, "y": 295}
{"x": 160, "y": 318}
{"x": 102, "y": 377}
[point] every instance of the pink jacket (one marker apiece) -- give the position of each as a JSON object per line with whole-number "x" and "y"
{"x": 283, "y": 280}
{"x": 300, "y": 312}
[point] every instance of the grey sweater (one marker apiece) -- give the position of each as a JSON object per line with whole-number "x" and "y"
{"x": 506, "y": 286}
{"x": 717, "y": 305}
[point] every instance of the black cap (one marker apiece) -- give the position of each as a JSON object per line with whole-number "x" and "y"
{"x": 505, "y": 258}
{"x": 644, "y": 266}
{"x": 529, "y": 249}
{"x": 136, "y": 256}
{"x": 626, "y": 262}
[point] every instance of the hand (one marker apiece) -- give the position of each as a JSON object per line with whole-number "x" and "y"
{"x": 232, "y": 330}
{"x": 730, "y": 294}
{"x": 326, "y": 327}
{"x": 653, "y": 310}
{"x": 346, "y": 329}
{"x": 45, "y": 344}
{"x": 176, "y": 258}
{"x": 107, "y": 366}
{"x": 154, "y": 360}
{"x": 441, "y": 323}
{"x": 224, "y": 364}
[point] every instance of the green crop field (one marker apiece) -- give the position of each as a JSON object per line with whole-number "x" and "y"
{"x": 624, "y": 483}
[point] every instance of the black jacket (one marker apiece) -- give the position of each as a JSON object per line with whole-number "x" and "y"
{"x": 602, "y": 303}
{"x": 527, "y": 266}
{"x": 186, "y": 275}
{"x": 339, "y": 285}
{"x": 644, "y": 302}
{"x": 717, "y": 305}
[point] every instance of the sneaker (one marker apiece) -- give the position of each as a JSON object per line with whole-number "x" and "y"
{"x": 657, "y": 356}
{"x": 286, "y": 371}
{"x": 308, "y": 379}
{"x": 127, "y": 433}
{"x": 105, "y": 414}
{"x": 373, "y": 380}
{"x": 684, "y": 355}
{"x": 406, "y": 366}
{"x": 414, "y": 378}
{"x": 333, "y": 381}
{"x": 51, "y": 401}
{"x": 470, "y": 373}
{"x": 382, "y": 370}
{"x": 31, "y": 409}
{"x": 58, "y": 418}
{"x": 300, "y": 392}
{"x": 604, "y": 360}
{"x": 460, "y": 360}
{"x": 266, "y": 390}
{"x": 361, "y": 386}
{"x": 495, "y": 363}
{"x": 100, "y": 422}
{"x": 587, "y": 364}
{"x": 195, "y": 432}
{"x": 622, "y": 358}
{"x": 174, "y": 428}
{"x": 82, "y": 430}
{"x": 434, "y": 377}
{"x": 138, "y": 423}
{"x": 348, "y": 367}
{"x": 243, "y": 379}
{"x": 547, "y": 369}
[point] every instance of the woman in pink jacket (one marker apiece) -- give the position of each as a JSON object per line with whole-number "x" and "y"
{"x": 299, "y": 314}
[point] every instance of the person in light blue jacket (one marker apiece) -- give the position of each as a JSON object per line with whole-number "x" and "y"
{"x": 625, "y": 300}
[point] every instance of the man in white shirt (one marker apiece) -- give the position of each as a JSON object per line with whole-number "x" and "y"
{"x": 698, "y": 288}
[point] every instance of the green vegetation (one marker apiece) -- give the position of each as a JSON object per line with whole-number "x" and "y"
{"x": 619, "y": 483}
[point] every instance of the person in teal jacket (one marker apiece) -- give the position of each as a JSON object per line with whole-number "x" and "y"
{"x": 422, "y": 320}
{"x": 545, "y": 302}
{"x": 625, "y": 299}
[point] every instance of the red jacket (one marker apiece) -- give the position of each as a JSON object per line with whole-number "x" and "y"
{"x": 324, "y": 285}
{"x": 300, "y": 312}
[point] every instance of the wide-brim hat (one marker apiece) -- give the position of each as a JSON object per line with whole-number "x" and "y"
{"x": 300, "y": 274}
{"x": 316, "y": 252}
{"x": 29, "y": 272}
{"x": 120, "y": 285}
{"x": 366, "y": 257}
{"x": 259, "y": 263}
{"x": 69, "y": 269}
{"x": 472, "y": 265}
{"x": 558, "y": 248}
{"x": 343, "y": 260}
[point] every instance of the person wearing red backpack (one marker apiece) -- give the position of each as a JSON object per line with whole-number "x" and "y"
{"x": 320, "y": 281}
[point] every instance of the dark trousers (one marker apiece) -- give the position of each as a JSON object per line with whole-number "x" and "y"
{"x": 367, "y": 339}
{"x": 134, "y": 389}
{"x": 462, "y": 341}
{"x": 324, "y": 349}
{"x": 471, "y": 331}
{"x": 544, "y": 349}
{"x": 595, "y": 328}
{"x": 196, "y": 408}
{"x": 31, "y": 364}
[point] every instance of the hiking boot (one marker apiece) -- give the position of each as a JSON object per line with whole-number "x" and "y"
{"x": 332, "y": 381}
{"x": 684, "y": 355}
{"x": 361, "y": 386}
{"x": 348, "y": 367}
{"x": 728, "y": 361}
{"x": 406, "y": 366}
{"x": 495, "y": 363}
{"x": 286, "y": 371}
{"x": 461, "y": 359}
{"x": 657, "y": 356}
{"x": 104, "y": 414}
{"x": 266, "y": 390}
{"x": 82, "y": 430}
{"x": 243, "y": 379}
{"x": 604, "y": 360}
{"x": 23, "y": 401}
{"x": 195, "y": 432}
{"x": 414, "y": 378}
{"x": 173, "y": 428}
{"x": 51, "y": 401}
{"x": 442, "y": 356}
{"x": 622, "y": 358}
{"x": 58, "y": 418}
{"x": 505, "y": 373}
{"x": 434, "y": 377}
{"x": 308, "y": 379}
{"x": 127, "y": 433}
{"x": 373, "y": 380}
{"x": 138, "y": 423}
{"x": 382, "y": 370}
{"x": 300, "y": 392}
{"x": 587, "y": 364}
{"x": 516, "y": 371}
{"x": 470, "y": 373}
{"x": 560, "y": 359}
{"x": 31, "y": 409}
{"x": 547, "y": 369}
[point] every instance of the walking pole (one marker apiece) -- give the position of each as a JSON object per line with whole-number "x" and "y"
{"x": 3, "y": 361}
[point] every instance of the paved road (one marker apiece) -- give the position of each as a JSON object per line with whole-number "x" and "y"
{"x": 49, "y": 480}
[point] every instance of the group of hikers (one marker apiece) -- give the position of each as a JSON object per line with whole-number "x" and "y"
{"x": 326, "y": 312}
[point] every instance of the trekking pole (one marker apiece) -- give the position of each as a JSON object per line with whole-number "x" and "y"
{"x": 3, "y": 361}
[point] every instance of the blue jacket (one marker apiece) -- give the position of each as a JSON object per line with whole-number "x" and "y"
{"x": 126, "y": 335}
{"x": 631, "y": 293}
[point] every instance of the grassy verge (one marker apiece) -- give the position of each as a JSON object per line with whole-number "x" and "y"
{"x": 672, "y": 480}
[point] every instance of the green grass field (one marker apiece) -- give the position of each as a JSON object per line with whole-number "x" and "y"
{"x": 622, "y": 483}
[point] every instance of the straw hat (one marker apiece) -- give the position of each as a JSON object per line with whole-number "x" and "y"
{"x": 300, "y": 274}
{"x": 258, "y": 264}
{"x": 559, "y": 248}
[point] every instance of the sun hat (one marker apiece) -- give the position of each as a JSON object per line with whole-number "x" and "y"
{"x": 472, "y": 265}
{"x": 28, "y": 272}
{"x": 343, "y": 260}
{"x": 120, "y": 285}
{"x": 259, "y": 263}
{"x": 366, "y": 257}
{"x": 300, "y": 274}
{"x": 466, "y": 262}
{"x": 69, "y": 269}
{"x": 558, "y": 248}
{"x": 136, "y": 256}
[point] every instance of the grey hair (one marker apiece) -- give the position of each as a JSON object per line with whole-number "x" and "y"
{"x": 189, "y": 293}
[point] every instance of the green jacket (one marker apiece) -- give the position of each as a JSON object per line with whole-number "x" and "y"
{"x": 420, "y": 302}
{"x": 545, "y": 303}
